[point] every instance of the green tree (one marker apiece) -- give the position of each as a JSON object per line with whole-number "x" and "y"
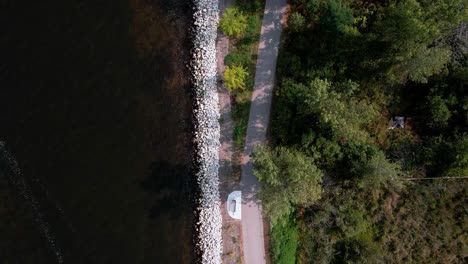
{"x": 415, "y": 32}
{"x": 377, "y": 172}
{"x": 233, "y": 23}
{"x": 357, "y": 64}
{"x": 447, "y": 157}
{"x": 324, "y": 152}
{"x": 459, "y": 158}
{"x": 343, "y": 114}
{"x": 296, "y": 22}
{"x": 440, "y": 112}
{"x": 234, "y": 77}
{"x": 338, "y": 18}
{"x": 426, "y": 62}
{"x": 288, "y": 179}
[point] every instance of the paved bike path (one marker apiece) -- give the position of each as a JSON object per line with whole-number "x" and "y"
{"x": 252, "y": 221}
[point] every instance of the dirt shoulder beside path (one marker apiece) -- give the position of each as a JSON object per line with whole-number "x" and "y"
{"x": 232, "y": 249}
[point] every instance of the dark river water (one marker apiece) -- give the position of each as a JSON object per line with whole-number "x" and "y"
{"x": 95, "y": 108}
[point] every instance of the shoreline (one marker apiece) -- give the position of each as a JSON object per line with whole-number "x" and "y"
{"x": 206, "y": 132}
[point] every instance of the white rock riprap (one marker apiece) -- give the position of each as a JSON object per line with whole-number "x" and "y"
{"x": 206, "y": 131}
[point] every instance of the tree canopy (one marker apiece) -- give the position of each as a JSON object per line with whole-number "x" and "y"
{"x": 414, "y": 32}
{"x": 346, "y": 70}
{"x": 288, "y": 179}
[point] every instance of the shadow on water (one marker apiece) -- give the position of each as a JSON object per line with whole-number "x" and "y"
{"x": 94, "y": 106}
{"x": 171, "y": 185}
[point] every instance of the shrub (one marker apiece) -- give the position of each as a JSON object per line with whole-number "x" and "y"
{"x": 250, "y": 6}
{"x": 235, "y": 77}
{"x": 440, "y": 112}
{"x": 284, "y": 242}
{"x": 233, "y": 23}
{"x": 296, "y": 22}
{"x": 238, "y": 59}
{"x": 253, "y": 26}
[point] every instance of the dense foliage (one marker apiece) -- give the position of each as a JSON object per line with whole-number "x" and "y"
{"x": 288, "y": 179}
{"x": 284, "y": 241}
{"x": 233, "y": 23}
{"x": 346, "y": 68}
{"x": 234, "y": 77}
{"x": 425, "y": 223}
{"x": 243, "y": 53}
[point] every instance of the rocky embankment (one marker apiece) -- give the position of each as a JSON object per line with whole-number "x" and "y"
{"x": 206, "y": 131}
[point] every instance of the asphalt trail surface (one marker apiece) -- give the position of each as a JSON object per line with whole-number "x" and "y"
{"x": 252, "y": 221}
